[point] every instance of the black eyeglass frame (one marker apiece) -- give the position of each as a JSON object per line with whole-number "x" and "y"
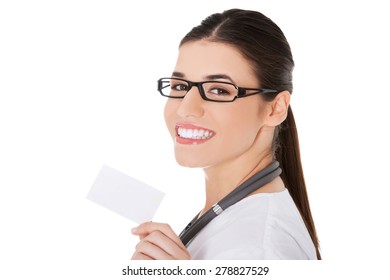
{"x": 241, "y": 90}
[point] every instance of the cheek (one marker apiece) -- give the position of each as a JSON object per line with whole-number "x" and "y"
{"x": 238, "y": 129}
{"x": 240, "y": 133}
{"x": 243, "y": 121}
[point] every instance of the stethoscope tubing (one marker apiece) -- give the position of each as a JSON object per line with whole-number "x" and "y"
{"x": 255, "y": 182}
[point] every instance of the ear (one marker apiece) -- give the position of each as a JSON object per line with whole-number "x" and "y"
{"x": 278, "y": 108}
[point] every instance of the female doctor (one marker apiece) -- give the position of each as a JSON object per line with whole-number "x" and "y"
{"x": 228, "y": 112}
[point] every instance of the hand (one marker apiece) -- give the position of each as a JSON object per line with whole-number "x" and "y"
{"x": 158, "y": 242}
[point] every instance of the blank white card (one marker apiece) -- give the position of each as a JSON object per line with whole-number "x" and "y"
{"x": 125, "y": 195}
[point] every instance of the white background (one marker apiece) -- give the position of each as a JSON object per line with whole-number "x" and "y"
{"x": 78, "y": 89}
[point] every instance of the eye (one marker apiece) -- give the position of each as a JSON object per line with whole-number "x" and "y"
{"x": 179, "y": 87}
{"x": 219, "y": 91}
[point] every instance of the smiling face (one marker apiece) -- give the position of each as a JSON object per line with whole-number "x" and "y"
{"x": 209, "y": 134}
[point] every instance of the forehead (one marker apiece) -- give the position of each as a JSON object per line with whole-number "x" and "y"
{"x": 198, "y": 59}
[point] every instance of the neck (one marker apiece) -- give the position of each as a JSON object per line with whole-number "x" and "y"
{"x": 221, "y": 180}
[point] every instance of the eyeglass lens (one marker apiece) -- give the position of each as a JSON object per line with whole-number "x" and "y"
{"x": 218, "y": 91}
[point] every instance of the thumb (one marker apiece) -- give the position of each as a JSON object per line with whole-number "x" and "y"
{"x": 136, "y": 231}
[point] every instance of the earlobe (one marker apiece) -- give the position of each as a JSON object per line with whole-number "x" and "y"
{"x": 279, "y": 108}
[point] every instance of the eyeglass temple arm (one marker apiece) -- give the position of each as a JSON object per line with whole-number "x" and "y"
{"x": 242, "y": 91}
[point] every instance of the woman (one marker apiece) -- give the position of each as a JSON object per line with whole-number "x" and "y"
{"x": 229, "y": 113}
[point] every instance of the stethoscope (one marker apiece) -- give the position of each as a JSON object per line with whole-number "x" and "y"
{"x": 255, "y": 182}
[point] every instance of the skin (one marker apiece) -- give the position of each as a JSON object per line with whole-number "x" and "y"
{"x": 241, "y": 146}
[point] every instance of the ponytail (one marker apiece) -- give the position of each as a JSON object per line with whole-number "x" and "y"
{"x": 289, "y": 157}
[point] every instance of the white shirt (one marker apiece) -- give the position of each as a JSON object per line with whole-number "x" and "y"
{"x": 265, "y": 226}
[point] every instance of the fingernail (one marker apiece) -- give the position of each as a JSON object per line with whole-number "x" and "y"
{"x": 134, "y": 230}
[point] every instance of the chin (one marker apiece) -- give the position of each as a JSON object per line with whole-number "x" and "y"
{"x": 190, "y": 161}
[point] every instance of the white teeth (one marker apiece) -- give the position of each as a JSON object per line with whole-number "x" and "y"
{"x": 194, "y": 133}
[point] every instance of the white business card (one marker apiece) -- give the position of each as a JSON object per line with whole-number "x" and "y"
{"x": 125, "y": 195}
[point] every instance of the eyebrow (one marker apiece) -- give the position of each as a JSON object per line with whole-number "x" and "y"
{"x": 208, "y": 77}
{"x": 178, "y": 74}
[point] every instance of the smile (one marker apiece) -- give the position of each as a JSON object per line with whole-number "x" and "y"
{"x": 189, "y": 133}
{"x": 192, "y": 134}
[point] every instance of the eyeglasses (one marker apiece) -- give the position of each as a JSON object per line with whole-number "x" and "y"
{"x": 209, "y": 90}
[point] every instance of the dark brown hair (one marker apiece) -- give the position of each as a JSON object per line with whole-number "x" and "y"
{"x": 262, "y": 42}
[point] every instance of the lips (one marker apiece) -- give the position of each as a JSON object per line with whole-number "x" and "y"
{"x": 192, "y": 134}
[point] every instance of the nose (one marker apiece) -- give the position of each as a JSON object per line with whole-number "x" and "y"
{"x": 191, "y": 105}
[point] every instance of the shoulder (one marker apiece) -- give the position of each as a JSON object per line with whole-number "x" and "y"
{"x": 262, "y": 226}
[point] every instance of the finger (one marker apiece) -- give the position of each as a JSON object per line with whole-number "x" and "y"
{"x": 166, "y": 244}
{"x": 148, "y": 227}
{"x": 140, "y": 256}
{"x": 135, "y": 231}
{"x": 153, "y": 251}
{"x": 142, "y": 236}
